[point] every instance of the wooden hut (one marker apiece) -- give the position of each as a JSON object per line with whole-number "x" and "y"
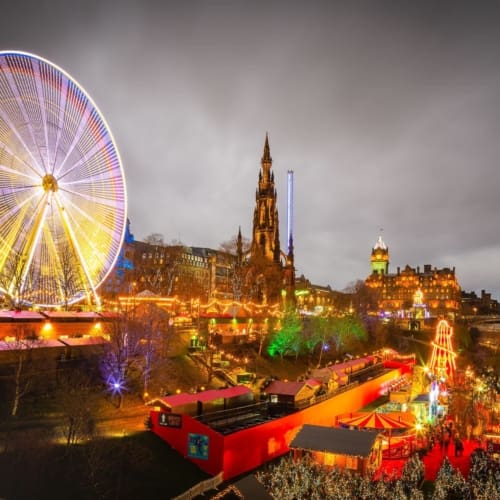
{"x": 359, "y": 451}
{"x": 291, "y": 395}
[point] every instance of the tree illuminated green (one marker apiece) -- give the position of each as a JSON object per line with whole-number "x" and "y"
{"x": 347, "y": 332}
{"x": 318, "y": 332}
{"x": 288, "y": 339}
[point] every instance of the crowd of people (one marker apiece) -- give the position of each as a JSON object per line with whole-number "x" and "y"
{"x": 444, "y": 434}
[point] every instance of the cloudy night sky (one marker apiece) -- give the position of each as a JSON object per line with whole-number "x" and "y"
{"x": 388, "y": 112}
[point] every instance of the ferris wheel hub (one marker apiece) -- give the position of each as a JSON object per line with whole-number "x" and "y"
{"x": 49, "y": 183}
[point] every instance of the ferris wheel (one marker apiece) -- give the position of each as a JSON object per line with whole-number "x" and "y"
{"x": 62, "y": 188}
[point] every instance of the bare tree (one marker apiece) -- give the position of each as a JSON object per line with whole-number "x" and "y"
{"x": 22, "y": 383}
{"x": 154, "y": 239}
{"x": 262, "y": 280}
{"x": 69, "y": 279}
{"x": 120, "y": 356}
{"x": 231, "y": 245}
{"x": 158, "y": 265}
{"x": 347, "y": 332}
{"x": 362, "y": 298}
{"x": 136, "y": 343}
{"x": 13, "y": 277}
{"x": 24, "y": 371}
{"x": 74, "y": 397}
{"x": 238, "y": 282}
{"x": 152, "y": 322}
{"x": 316, "y": 333}
{"x": 173, "y": 259}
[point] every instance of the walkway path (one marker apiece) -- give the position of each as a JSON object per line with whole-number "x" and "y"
{"x": 434, "y": 459}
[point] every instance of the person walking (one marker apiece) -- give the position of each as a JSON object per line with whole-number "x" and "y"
{"x": 431, "y": 443}
{"x": 446, "y": 440}
{"x": 459, "y": 446}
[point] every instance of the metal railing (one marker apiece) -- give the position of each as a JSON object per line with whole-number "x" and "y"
{"x": 300, "y": 405}
{"x": 232, "y": 414}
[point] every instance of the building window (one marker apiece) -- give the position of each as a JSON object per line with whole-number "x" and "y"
{"x": 351, "y": 462}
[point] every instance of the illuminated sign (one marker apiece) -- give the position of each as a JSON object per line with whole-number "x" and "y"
{"x": 170, "y": 420}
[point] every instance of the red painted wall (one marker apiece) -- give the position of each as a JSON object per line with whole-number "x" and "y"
{"x": 178, "y": 439}
{"x": 404, "y": 367}
{"x": 247, "y": 449}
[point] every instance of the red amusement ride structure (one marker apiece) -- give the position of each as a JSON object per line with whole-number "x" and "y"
{"x": 442, "y": 364}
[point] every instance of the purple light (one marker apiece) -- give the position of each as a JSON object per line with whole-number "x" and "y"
{"x": 115, "y": 385}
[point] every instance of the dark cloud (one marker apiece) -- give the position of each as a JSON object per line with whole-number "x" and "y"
{"x": 386, "y": 111}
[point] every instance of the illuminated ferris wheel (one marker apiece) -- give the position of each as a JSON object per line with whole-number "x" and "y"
{"x": 62, "y": 188}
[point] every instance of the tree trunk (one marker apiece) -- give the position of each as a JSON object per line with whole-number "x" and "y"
{"x": 261, "y": 344}
{"x": 321, "y": 353}
{"x": 17, "y": 387}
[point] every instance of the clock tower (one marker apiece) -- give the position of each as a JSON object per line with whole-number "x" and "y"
{"x": 380, "y": 257}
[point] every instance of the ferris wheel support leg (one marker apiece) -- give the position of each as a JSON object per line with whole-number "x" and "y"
{"x": 76, "y": 246}
{"x": 31, "y": 244}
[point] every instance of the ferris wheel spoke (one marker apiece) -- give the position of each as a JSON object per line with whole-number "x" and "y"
{"x": 32, "y": 238}
{"x": 7, "y": 158}
{"x": 13, "y": 221}
{"x": 93, "y": 164}
{"x": 78, "y": 112}
{"x": 23, "y": 147}
{"x": 60, "y": 117}
{"x": 34, "y": 112}
{"x": 42, "y": 108}
{"x": 86, "y": 223}
{"x": 16, "y": 219}
{"x": 86, "y": 226}
{"x": 55, "y": 77}
{"x": 74, "y": 241}
{"x": 23, "y": 91}
{"x": 94, "y": 198}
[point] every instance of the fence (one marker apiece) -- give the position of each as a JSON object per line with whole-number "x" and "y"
{"x": 200, "y": 488}
{"x": 300, "y": 405}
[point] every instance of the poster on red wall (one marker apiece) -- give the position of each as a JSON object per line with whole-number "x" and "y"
{"x": 197, "y": 446}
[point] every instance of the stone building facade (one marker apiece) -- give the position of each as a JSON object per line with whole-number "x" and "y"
{"x": 411, "y": 292}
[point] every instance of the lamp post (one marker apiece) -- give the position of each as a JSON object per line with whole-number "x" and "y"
{"x": 131, "y": 295}
{"x": 321, "y": 351}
